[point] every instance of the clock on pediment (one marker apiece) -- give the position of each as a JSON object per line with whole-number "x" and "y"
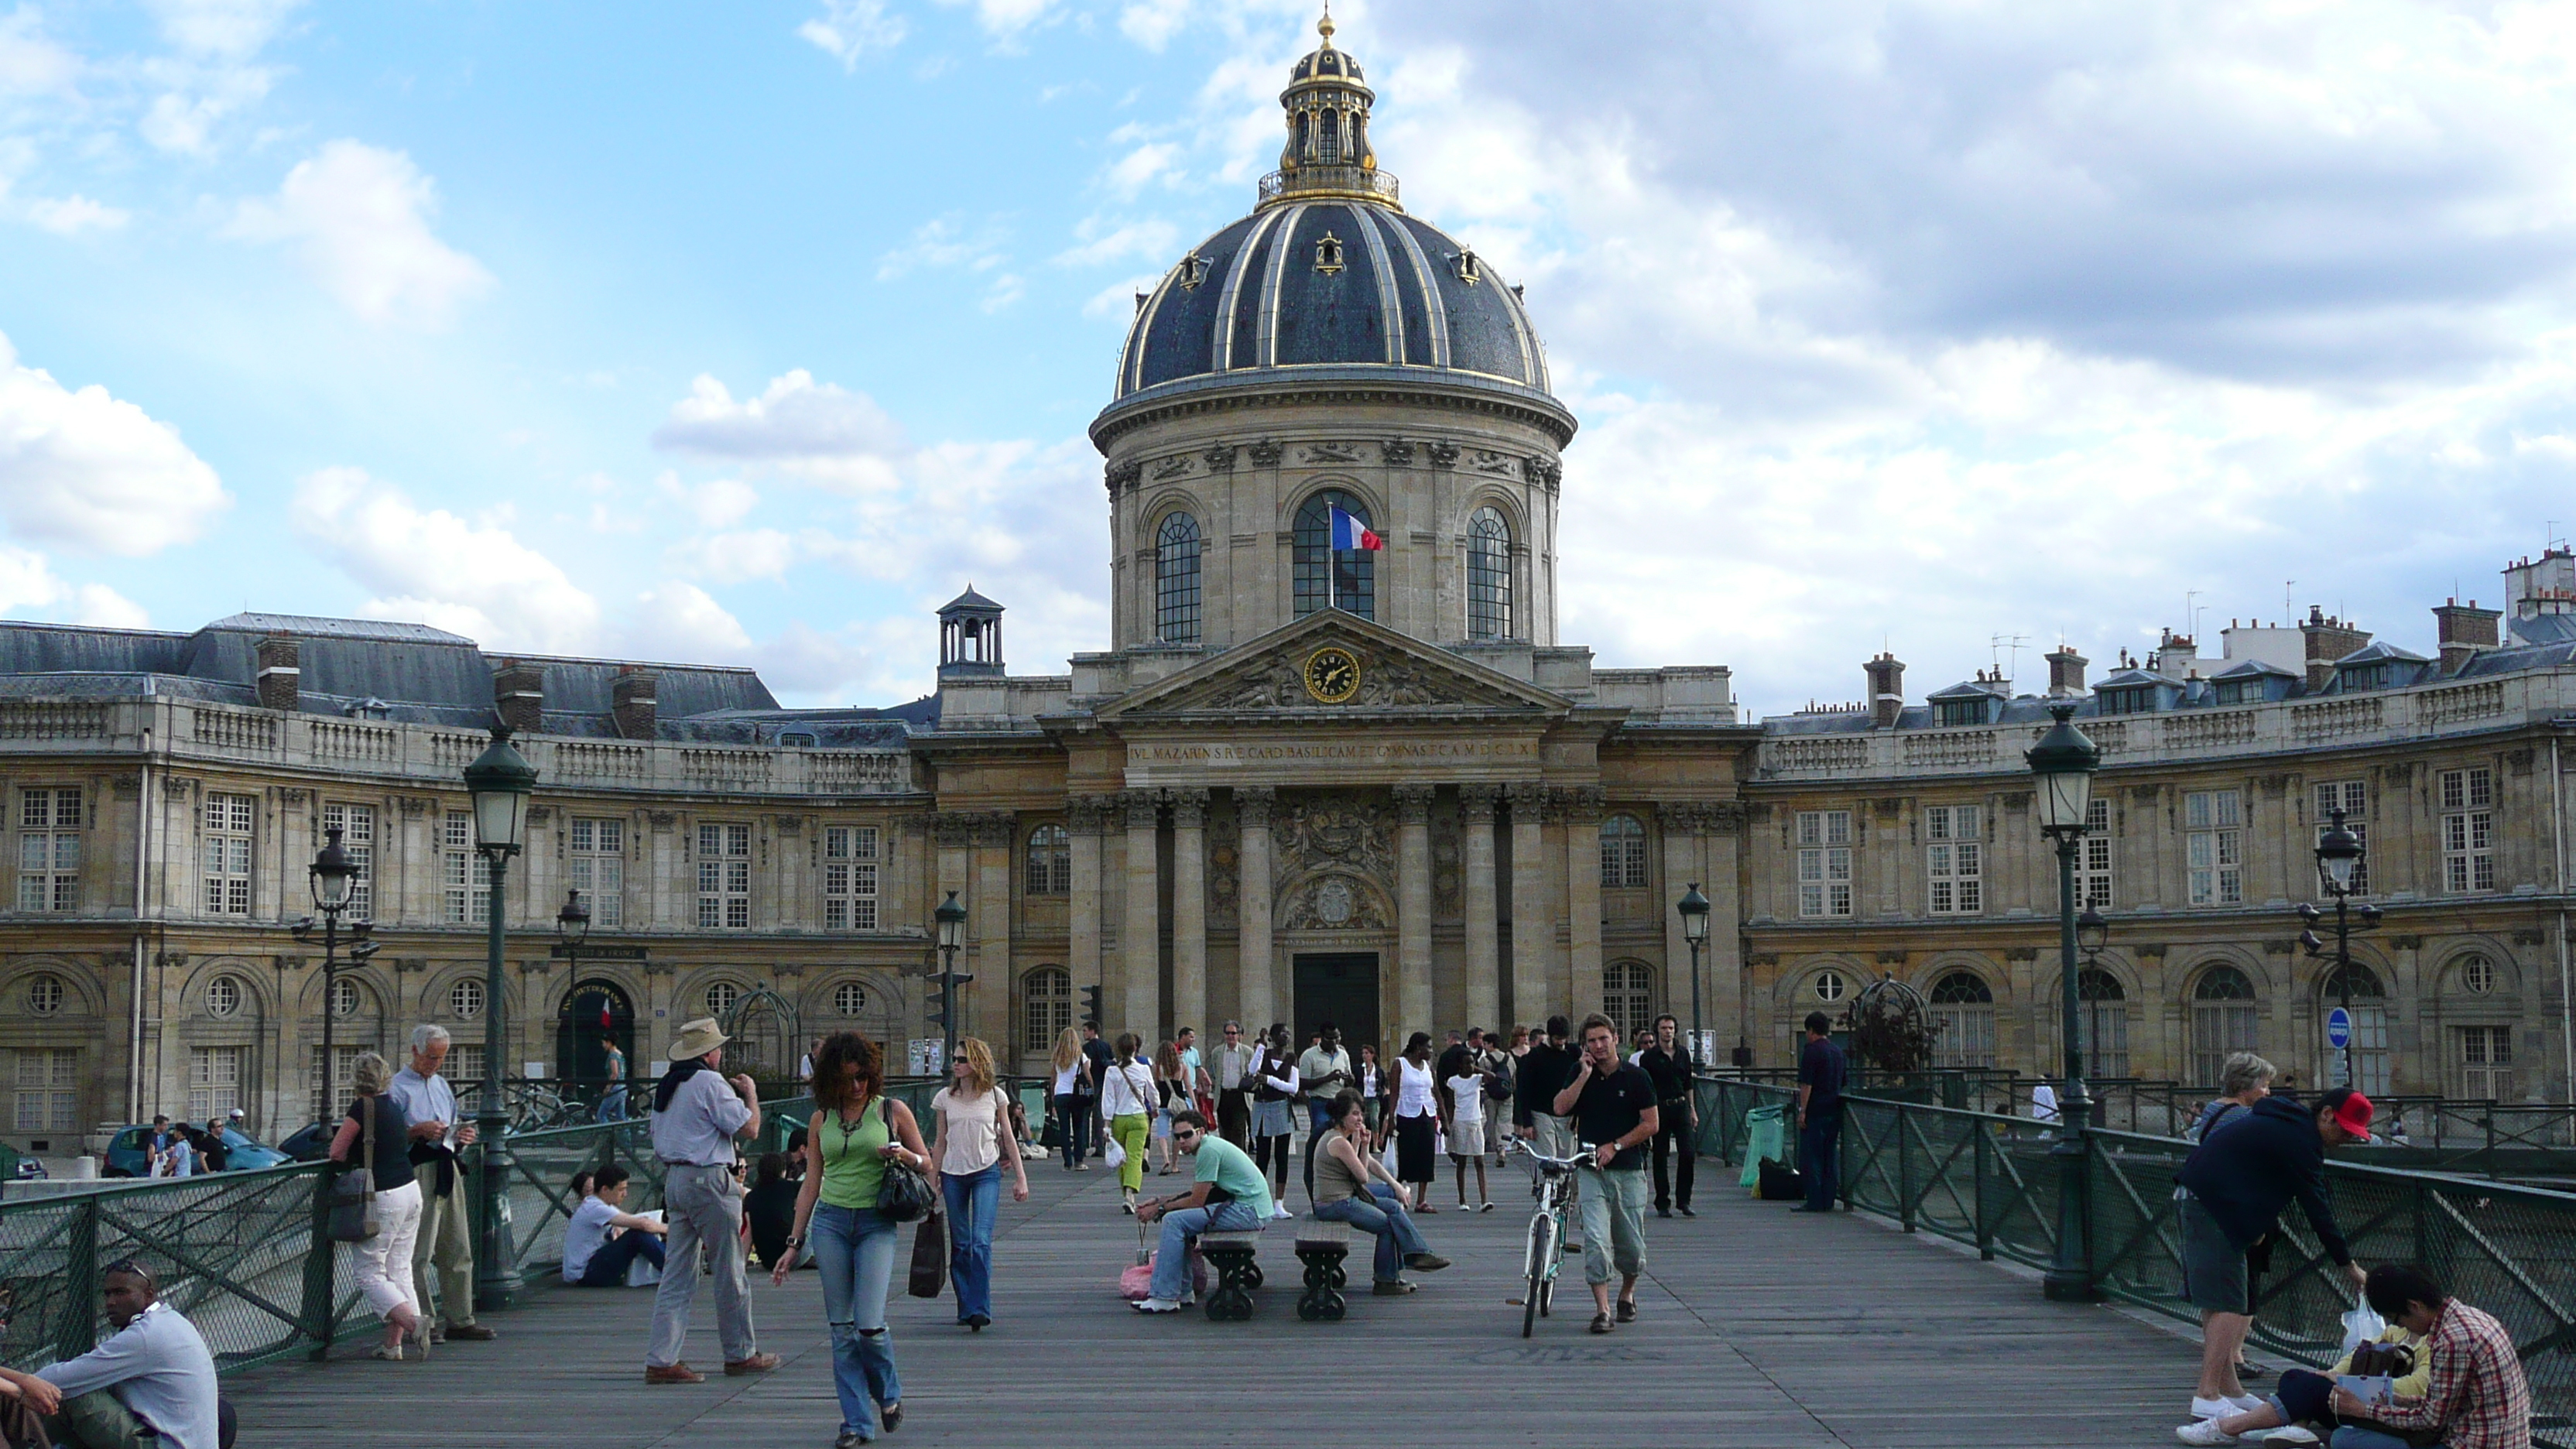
{"x": 1331, "y": 674}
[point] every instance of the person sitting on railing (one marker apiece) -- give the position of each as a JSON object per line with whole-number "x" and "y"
{"x": 2303, "y": 1396}
{"x": 603, "y": 1239}
{"x": 150, "y": 1382}
{"x": 2232, "y": 1191}
{"x": 2475, "y": 1396}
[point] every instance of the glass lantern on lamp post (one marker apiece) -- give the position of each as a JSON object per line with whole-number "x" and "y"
{"x": 499, "y": 781}
{"x": 1694, "y": 913}
{"x": 2064, "y": 762}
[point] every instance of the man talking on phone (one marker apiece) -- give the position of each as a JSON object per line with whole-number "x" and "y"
{"x": 1613, "y": 1107}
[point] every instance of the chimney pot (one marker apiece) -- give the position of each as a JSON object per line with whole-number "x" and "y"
{"x": 631, "y": 702}
{"x": 1886, "y": 690}
{"x": 280, "y": 680}
{"x": 519, "y": 694}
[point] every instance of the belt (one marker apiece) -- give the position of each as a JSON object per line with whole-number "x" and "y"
{"x": 668, "y": 1162}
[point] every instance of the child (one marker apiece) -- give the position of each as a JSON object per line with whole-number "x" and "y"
{"x": 1466, "y": 1128}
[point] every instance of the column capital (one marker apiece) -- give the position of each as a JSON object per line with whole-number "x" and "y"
{"x": 954, "y": 829}
{"x": 1479, "y": 802}
{"x": 996, "y": 828}
{"x": 1582, "y": 804}
{"x": 1083, "y": 814}
{"x": 1144, "y": 808}
{"x": 1252, "y": 805}
{"x": 1413, "y": 804}
{"x": 1189, "y": 808}
{"x": 1528, "y": 799}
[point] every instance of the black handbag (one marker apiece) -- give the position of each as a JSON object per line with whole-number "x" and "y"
{"x": 905, "y": 1193}
{"x": 929, "y": 1257}
{"x": 353, "y": 1193}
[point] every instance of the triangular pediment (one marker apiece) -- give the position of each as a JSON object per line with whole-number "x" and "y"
{"x": 1396, "y": 676}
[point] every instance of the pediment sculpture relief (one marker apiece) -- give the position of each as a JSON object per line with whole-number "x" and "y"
{"x": 1334, "y": 903}
{"x": 1356, "y": 832}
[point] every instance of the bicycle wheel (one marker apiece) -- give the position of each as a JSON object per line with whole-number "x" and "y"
{"x": 1542, "y": 1252}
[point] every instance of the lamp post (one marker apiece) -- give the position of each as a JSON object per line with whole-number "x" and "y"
{"x": 500, "y": 781}
{"x": 334, "y": 878}
{"x": 2339, "y": 856}
{"x": 2064, "y": 761}
{"x": 1694, "y": 911}
{"x": 572, "y": 927}
{"x": 952, "y": 934}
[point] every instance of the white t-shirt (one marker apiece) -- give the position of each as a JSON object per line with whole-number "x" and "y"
{"x": 2043, "y": 1102}
{"x": 1065, "y": 1079}
{"x": 1126, "y": 1091}
{"x": 970, "y": 1128}
{"x": 1469, "y": 1094}
{"x": 1413, "y": 1096}
{"x": 584, "y": 1236}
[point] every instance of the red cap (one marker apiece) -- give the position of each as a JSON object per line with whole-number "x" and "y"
{"x": 2354, "y": 1116}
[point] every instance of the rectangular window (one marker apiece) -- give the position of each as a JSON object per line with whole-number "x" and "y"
{"x": 2486, "y": 1063}
{"x": 2468, "y": 830}
{"x": 850, "y": 878}
{"x": 49, "y": 849}
{"x": 469, "y": 884}
{"x": 724, "y": 877}
{"x": 2093, "y": 857}
{"x": 596, "y": 859}
{"x": 1824, "y": 863}
{"x": 344, "y": 1063}
{"x": 357, "y": 824}
{"x": 1952, "y": 712}
{"x": 214, "y": 1081}
{"x": 1954, "y": 859}
{"x": 227, "y": 853}
{"x": 48, "y": 1090}
{"x": 2214, "y": 821}
{"x": 2349, "y": 796}
{"x": 465, "y": 1063}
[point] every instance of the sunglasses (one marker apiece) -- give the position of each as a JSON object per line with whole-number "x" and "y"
{"x": 1185, "y": 1134}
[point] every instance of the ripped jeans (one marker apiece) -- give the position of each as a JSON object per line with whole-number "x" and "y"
{"x": 855, "y": 1249}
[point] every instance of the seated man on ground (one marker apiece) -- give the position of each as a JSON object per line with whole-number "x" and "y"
{"x": 1229, "y": 1195}
{"x": 2476, "y": 1396}
{"x": 603, "y": 1240}
{"x": 151, "y": 1382}
{"x": 1353, "y": 1187}
{"x": 2300, "y": 1399}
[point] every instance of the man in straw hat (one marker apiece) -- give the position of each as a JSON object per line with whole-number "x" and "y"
{"x": 697, "y": 1114}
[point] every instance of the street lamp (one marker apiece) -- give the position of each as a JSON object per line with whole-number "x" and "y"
{"x": 952, "y": 934}
{"x": 500, "y": 781}
{"x": 2064, "y": 760}
{"x": 2339, "y": 857}
{"x": 334, "y": 878}
{"x": 572, "y": 927}
{"x": 1694, "y": 910}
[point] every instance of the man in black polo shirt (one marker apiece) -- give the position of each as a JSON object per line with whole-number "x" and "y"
{"x": 1669, "y": 1068}
{"x": 1820, "y": 1113}
{"x": 1545, "y": 1068}
{"x": 1613, "y": 1106}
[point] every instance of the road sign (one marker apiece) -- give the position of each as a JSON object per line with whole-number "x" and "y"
{"x": 2338, "y": 1028}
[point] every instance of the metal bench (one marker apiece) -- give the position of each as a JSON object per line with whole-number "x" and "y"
{"x": 1322, "y": 1247}
{"x": 1236, "y": 1273}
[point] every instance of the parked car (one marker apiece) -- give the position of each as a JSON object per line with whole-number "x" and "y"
{"x": 312, "y": 1143}
{"x": 127, "y": 1156}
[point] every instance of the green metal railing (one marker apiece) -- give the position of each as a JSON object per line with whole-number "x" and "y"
{"x": 1987, "y": 1181}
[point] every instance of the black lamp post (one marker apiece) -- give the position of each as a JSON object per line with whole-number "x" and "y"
{"x": 2064, "y": 760}
{"x": 2339, "y": 857}
{"x": 1694, "y": 910}
{"x": 572, "y": 927}
{"x": 952, "y": 934}
{"x": 334, "y": 878}
{"x": 500, "y": 781}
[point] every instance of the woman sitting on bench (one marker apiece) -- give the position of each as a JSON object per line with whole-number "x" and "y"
{"x": 1346, "y": 1193}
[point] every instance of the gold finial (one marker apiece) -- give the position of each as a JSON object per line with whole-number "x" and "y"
{"x": 1324, "y": 27}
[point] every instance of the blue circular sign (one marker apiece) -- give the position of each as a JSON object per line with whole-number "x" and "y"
{"x": 2338, "y": 1028}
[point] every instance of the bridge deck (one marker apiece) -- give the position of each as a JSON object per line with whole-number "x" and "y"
{"x": 1757, "y": 1328}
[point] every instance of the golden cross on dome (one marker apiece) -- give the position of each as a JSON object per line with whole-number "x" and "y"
{"x": 1324, "y": 27}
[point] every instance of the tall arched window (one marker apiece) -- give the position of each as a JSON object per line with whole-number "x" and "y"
{"x": 1325, "y": 579}
{"x": 2369, "y": 1029}
{"x": 1046, "y": 1007}
{"x": 2102, "y": 1022}
{"x": 1050, "y": 861}
{"x": 1176, "y": 580}
{"x": 1628, "y": 997}
{"x": 1623, "y": 853}
{"x": 2222, "y": 1021}
{"x": 1489, "y": 575}
{"x": 1964, "y": 1007}
{"x": 1330, "y": 153}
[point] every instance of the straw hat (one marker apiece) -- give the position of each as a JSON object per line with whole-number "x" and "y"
{"x": 696, "y": 1039}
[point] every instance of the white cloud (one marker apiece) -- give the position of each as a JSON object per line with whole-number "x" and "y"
{"x": 1006, "y": 20}
{"x": 683, "y": 623}
{"x": 72, "y": 215}
{"x": 822, "y": 432}
{"x": 82, "y": 468}
{"x": 359, "y": 217}
{"x": 719, "y": 503}
{"x": 229, "y": 28}
{"x": 31, "y": 65}
{"x": 1153, "y": 23}
{"x": 1098, "y": 243}
{"x": 732, "y": 558}
{"x": 1006, "y": 289}
{"x": 944, "y": 242}
{"x": 1117, "y": 301}
{"x": 429, "y": 565}
{"x": 30, "y": 587}
{"x": 848, "y": 29}
{"x": 1139, "y": 168}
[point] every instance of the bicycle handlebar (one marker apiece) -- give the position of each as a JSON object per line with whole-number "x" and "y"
{"x": 1582, "y": 1158}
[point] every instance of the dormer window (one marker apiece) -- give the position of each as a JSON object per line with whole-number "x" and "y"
{"x": 1470, "y": 271}
{"x": 2366, "y": 676}
{"x": 1193, "y": 271}
{"x": 1328, "y": 254}
{"x": 1960, "y": 711}
{"x": 2239, "y": 691}
{"x": 2141, "y": 700}
{"x": 797, "y": 740}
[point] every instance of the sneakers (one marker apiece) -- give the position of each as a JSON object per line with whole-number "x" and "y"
{"x": 1425, "y": 1262}
{"x": 1157, "y": 1305}
{"x": 2293, "y": 1436}
{"x": 2204, "y": 1431}
{"x": 1627, "y": 1310}
{"x": 1279, "y": 1212}
{"x": 2214, "y": 1408}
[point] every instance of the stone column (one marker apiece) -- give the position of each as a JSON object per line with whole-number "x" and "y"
{"x": 995, "y": 834}
{"x": 1532, "y": 922}
{"x": 1582, "y": 808}
{"x": 1257, "y": 996}
{"x": 1684, "y": 826}
{"x": 1484, "y": 914}
{"x": 1413, "y": 912}
{"x": 1189, "y": 910}
{"x": 1083, "y": 818}
{"x": 1139, "y": 951}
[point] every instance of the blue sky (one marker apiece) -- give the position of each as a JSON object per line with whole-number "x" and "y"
{"x": 752, "y": 332}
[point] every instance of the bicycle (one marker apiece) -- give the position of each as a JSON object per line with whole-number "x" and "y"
{"x": 1554, "y": 1189}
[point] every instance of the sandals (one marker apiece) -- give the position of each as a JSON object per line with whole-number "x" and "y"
{"x": 1601, "y": 1323}
{"x": 1627, "y": 1310}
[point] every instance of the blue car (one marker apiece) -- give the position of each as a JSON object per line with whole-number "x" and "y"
{"x": 128, "y": 1157}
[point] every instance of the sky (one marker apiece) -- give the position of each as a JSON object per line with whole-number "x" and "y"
{"x": 752, "y": 333}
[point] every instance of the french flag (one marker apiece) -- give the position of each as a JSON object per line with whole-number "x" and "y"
{"x": 1350, "y": 533}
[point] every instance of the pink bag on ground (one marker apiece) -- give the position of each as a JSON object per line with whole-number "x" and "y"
{"x": 1136, "y": 1284}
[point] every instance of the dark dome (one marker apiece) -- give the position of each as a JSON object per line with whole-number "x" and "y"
{"x": 1330, "y": 283}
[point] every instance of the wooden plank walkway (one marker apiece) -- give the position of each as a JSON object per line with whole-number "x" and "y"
{"x": 1757, "y": 1328}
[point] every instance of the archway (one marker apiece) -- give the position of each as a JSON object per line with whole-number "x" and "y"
{"x": 594, "y": 1015}
{"x": 765, "y": 1040}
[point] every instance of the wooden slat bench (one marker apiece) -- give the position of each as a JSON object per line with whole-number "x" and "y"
{"x": 1231, "y": 1254}
{"x": 1322, "y": 1246}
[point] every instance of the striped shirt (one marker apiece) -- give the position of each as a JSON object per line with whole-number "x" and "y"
{"x": 2478, "y": 1398}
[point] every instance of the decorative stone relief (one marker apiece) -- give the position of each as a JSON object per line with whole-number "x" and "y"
{"x": 127, "y": 787}
{"x": 1448, "y": 865}
{"x": 1122, "y": 476}
{"x": 1486, "y": 460}
{"x": 1399, "y": 453}
{"x": 1354, "y": 831}
{"x": 954, "y": 829}
{"x": 1252, "y": 805}
{"x": 1444, "y": 455}
{"x": 661, "y": 820}
{"x": 1082, "y": 814}
{"x": 1265, "y": 453}
{"x": 540, "y": 814}
{"x": 1413, "y": 804}
{"x": 1334, "y": 903}
{"x": 177, "y": 788}
{"x": 1332, "y": 453}
{"x": 1547, "y": 471}
{"x": 1224, "y": 868}
{"x": 1189, "y": 809}
{"x": 1176, "y": 466}
{"x": 291, "y": 796}
{"x": 1144, "y": 808}
{"x": 996, "y": 829}
{"x": 1220, "y": 458}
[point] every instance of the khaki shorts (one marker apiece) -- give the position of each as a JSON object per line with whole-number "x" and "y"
{"x": 1468, "y": 1141}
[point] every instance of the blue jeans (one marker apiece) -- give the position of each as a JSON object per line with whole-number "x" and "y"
{"x": 1380, "y": 1213}
{"x": 2353, "y": 1436}
{"x": 972, "y": 1201}
{"x": 1172, "y": 1264}
{"x": 1816, "y": 1143}
{"x": 855, "y": 1249}
{"x": 607, "y": 1267}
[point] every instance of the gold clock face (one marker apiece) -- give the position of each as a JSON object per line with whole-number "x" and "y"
{"x": 1332, "y": 674}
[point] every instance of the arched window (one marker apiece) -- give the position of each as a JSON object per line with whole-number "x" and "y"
{"x": 1324, "y": 579}
{"x": 1628, "y": 997}
{"x": 1050, "y": 861}
{"x": 2102, "y": 1022}
{"x": 1829, "y": 985}
{"x": 850, "y": 999}
{"x": 721, "y": 997}
{"x": 1176, "y": 580}
{"x": 2477, "y": 975}
{"x": 2223, "y": 1021}
{"x": 1330, "y": 152}
{"x": 2369, "y": 1029}
{"x": 1046, "y": 1007}
{"x": 1964, "y": 1008}
{"x": 44, "y": 994}
{"x": 1623, "y": 853}
{"x": 1489, "y": 575}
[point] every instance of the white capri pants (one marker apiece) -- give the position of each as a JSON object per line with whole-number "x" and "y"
{"x": 397, "y": 1225}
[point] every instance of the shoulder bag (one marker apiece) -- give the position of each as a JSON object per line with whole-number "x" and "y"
{"x": 353, "y": 1193}
{"x": 905, "y": 1194}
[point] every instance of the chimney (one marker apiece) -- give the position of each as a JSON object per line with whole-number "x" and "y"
{"x": 281, "y": 682}
{"x": 519, "y": 694}
{"x": 2463, "y": 631}
{"x": 2066, "y": 673}
{"x": 2329, "y": 639}
{"x": 1886, "y": 691}
{"x": 630, "y": 697}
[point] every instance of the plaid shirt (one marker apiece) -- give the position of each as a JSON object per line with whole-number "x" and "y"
{"x": 2478, "y": 1398}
